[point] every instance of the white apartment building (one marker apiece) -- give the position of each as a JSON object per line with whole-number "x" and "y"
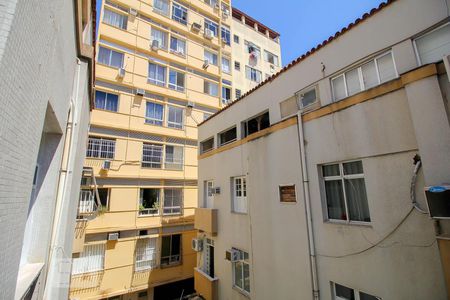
{"x": 312, "y": 185}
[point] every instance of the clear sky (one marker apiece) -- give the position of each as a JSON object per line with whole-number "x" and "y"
{"x": 302, "y": 23}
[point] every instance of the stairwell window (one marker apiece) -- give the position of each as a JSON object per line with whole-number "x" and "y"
{"x": 174, "y": 158}
{"x": 101, "y": 148}
{"x": 173, "y": 200}
{"x": 175, "y": 117}
{"x": 179, "y": 13}
{"x": 177, "y": 46}
{"x": 239, "y": 192}
{"x": 227, "y": 136}
{"x": 154, "y": 113}
{"x": 90, "y": 260}
{"x": 115, "y": 19}
{"x": 106, "y": 101}
{"x": 370, "y": 74}
{"x": 161, "y": 7}
{"x": 152, "y": 156}
{"x": 171, "y": 250}
{"x": 110, "y": 57}
{"x": 241, "y": 272}
{"x": 252, "y": 74}
{"x": 176, "y": 80}
{"x": 149, "y": 202}
{"x": 345, "y": 192}
{"x": 160, "y": 36}
{"x": 211, "y": 88}
{"x": 157, "y": 74}
{"x": 145, "y": 254}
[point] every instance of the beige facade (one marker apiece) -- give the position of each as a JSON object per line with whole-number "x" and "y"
{"x": 307, "y": 180}
{"x": 256, "y": 53}
{"x": 158, "y": 75}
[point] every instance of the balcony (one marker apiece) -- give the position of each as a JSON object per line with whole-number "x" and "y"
{"x": 206, "y": 220}
{"x": 87, "y": 207}
{"x": 205, "y": 285}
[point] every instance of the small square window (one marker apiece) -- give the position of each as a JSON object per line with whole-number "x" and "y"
{"x": 237, "y": 66}
{"x": 236, "y": 39}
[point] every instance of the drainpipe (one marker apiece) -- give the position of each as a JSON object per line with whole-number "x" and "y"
{"x": 312, "y": 248}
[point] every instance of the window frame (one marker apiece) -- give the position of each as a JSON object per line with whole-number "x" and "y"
{"x": 173, "y": 124}
{"x": 149, "y": 211}
{"x": 356, "y": 292}
{"x": 208, "y": 90}
{"x": 219, "y": 140}
{"x": 276, "y": 58}
{"x": 153, "y": 120}
{"x": 225, "y": 35}
{"x": 124, "y": 21}
{"x": 108, "y": 156}
{"x": 162, "y": 12}
{"x": 165, "y": 34}
{"x": 236, "y": 39}
{"x": 156, "y": 81}
{"x": 149, "y": 163}
{"x": 153, "y": 261}
{"x": 177, "y": 163}
{"x": 178, "y": 40}
{"x": 214, "y": 57}
{"x": 184, "y": 12}
{"x": 110, "y": 57}
{"x": 203, "y": 142}
{"x": 180, "y": 255}
{"x": 175, "y": 86}
{"x": 106, "y": 100}
{"x": 223, "y": 93}
{"x": 416, "y": 50}
{"x": 212, "y": 26}
{"x": 244, "y": 261}
{"x": 222, "y": 64}
{"x": 243, "y": 208}
{"x": 173, "y": 210}
{"x": 305, "y": 91}
{"x": 253, "y": 72}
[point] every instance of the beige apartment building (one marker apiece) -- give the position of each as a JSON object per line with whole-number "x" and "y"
{"x": 331, "y": 179}
{"x": 256, "y": 53}
{"x": 161, "y": 69}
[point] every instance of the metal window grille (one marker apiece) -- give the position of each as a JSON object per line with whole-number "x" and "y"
{"x": 145, "y": 254}
{"x": 101, "y": 148}
{"x": 152, "y": 156}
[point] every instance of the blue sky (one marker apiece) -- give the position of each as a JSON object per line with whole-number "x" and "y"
{"x": 302, "y": 23}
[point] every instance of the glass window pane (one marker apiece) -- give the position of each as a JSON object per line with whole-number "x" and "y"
{"x": 111, "y": 102}
{"x": 369, "y": 73}
{"x": 339, "y": 88}
{"x": 165, "y": 248}
{"x": 354, "y": 167}
{"x": 386, "y": 67}
{"x": 247, "y": 277}
{"x": 331, "y": 170}
{"x": 358, "y": 208}
{"x": 176, "y": 243}
{"x": 103, "y": 56}
{"x": 434, "y": 46}
{"x": 344, "y": 292}
{"x": 353, "y": 83}
{"x": 238, "y": 272}
{"x": 100, "y": 99}
{"x": 116, "y": 59}
{"x": 335, "y": 200}
{"x": 364, "y": 296}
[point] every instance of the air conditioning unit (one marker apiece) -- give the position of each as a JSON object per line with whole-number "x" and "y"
{"x": 196, "y": 27}
{"x": 121, "y": 73}
{"x": 438, "y": 201}
{"x": 155, "y": 45}
{"x": 233, "y": 255}
{"x": 208, "y": 34}
{"x": 113, "y": 236}
{"x": 133, "y": 11}
{"x": 216, "y": 190}
{"x": 226, "y": 13}
{"x": 447, "y": 65}
{"x": 140, "y": 92}
{"x": 197, "y": 245}
{"x": 106, "y": 165}
{"x": 190, "y": 104}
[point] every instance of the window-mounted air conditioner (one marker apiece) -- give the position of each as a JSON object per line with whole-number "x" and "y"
{"x": 233, "y": 255}
{"x": 216, "y": 190}
{"x": 197, "y": 245}
{"x": 196, "y": 27}
{"x": 121, "y": 73}
{"x": 113, "y": 236}
{"x": 190, "y": 104}
{"x": 438, "y": 201}
{"x": 154, "y": 45}
{"x": 140, "y": 92}
{"x": 226, "y": 13}
{"x": 133, "y": 11}
{"x": 208, "y": 34}
{"x": 106, "y": 165}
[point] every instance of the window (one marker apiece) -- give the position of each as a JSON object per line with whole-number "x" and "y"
{"x": 103, "y": 194}
{"x": 238, "y": 93}
{"x": 236, "y": 39}
{"x": 179, "y": 13}
{"x": 226, "y": 65}
{"x": 161, "y": 6}
{"x": 307, "y": 97}
{"x": 174, "y": 158}
{"x": 207, "y": 145}
{"x": 110, "y": 57}
{"x": 145, "y": 254}
{"x": 253, "y": 74}
{"x": 160, "y": 36}
{"x": 171, "y": 250}
{"x": 154, "y": 114}
{"x": 227, "y": 136}
{"x": 211, "y": 3}
{"x": 90, "y": 260}
{"x": 287, "y": 193}
{"x": 172, "y": 201}
{"x": 253, "y": 49}
{"x": 271, "y": 58}
{"x": 237, "y": 66}
{"x": 241, "y": 272}
{"x": 210, "y": 57}
{"x": 156, "y": 74}
{"x": 176, "y": 80}
{"x": 226, "y": 35}
{"x": 433, "y": 46}
{"x": 211, "y": 88}
{"x": 106, "y": 101}
{"x": 239, "y": 204}
{"x": 175, "y": 117}
{"x": 177, "y": 46}
{"x": 226, "y": 95}
{"x": 366, "y": 76}
{"x": 149, "y": 202}
{"x": 341, "y": 292}
{"x": 101, "y": 148}
{"x": 211, "y": 26}
{"x": 152, "y": 156}
{"x": 256, "y": 124}
{"x": 345, "y": 192}
{"x": 115, "y": 19}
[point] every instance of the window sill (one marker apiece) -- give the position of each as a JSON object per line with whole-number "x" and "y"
{"x": 239, "y": 213}
{"x": 107, "y": 110}
{"x": 206, "y": 275}
{"x": 242, "y": 292}
{"x": 352, "y": 223}
{"x": 148, "y": 216}
{"x": 171, "y": 265}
